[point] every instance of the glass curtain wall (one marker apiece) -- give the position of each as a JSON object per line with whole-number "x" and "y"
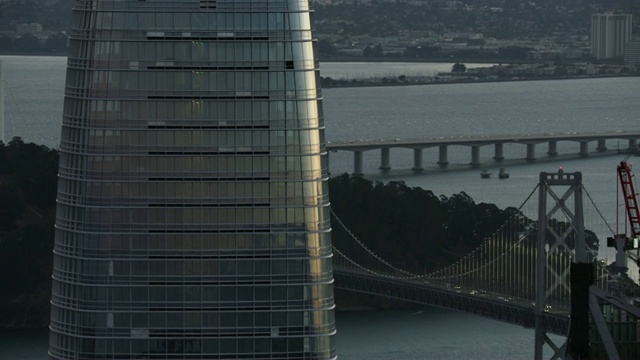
{"x": 192, "y": 218}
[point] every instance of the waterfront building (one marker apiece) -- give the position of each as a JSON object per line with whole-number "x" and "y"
{"x": 31, "y": 28}
{"x": 192, "y": 218}
{"x": 632, "y": 53}
{"x": 609, "y": 35}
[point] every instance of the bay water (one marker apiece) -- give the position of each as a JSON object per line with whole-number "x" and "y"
{"x": 428, "y": 333}
{"x": 34, "y": 88}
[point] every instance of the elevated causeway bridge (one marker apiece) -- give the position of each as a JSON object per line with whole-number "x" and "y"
{"x": 530, "y": 141}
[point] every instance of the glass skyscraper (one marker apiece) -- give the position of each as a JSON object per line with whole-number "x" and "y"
{"x": 193, "y": 211}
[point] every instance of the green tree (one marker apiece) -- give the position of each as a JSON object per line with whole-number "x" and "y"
{"x": 412, "y": 227}
{"x": 27, "y": 43}
{"x": 27, "y": 215}
{"x": 11, "y": 203}
{"x": 325, "y": 46}
{"x": 367, "y": 51}
{"x": 377, "y": 51}
{"x": 458, "y": 68}
{"x": 32, "y": 169}
{"x": 6, "y": 43}
{"x": 56, "y": 43}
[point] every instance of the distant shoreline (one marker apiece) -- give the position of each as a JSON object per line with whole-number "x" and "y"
{"x": 379, "y": 82}
{"x": 329, "y": 59}
{"x": 3, "y": 53}
{"x": 444, "y": 79}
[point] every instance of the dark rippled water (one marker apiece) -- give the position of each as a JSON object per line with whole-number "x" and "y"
{"x": 375, "y": 335}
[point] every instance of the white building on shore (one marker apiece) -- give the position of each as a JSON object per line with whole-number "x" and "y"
{"x": 609, "y": 35}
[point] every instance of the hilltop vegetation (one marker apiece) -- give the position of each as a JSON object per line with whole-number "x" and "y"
{"x": 413, "y": 227}
{"x": 28, "y": 178}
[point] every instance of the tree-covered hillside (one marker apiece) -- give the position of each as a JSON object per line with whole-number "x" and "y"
{"x": 28, "y": 181}
{"x": 413, "y": 227}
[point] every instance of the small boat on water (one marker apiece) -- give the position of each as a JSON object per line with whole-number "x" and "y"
{"x": 485, "y": 174}
{"x": 502, "y": 174}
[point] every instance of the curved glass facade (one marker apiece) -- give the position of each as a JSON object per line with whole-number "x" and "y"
{"x": 192, "y": 217}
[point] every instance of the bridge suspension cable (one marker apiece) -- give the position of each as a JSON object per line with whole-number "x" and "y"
{"x": 405, "y": 274}
{"x": 371, "y": 252}
{"x": 598, "y": 211}
{"x": 504, "y": 264}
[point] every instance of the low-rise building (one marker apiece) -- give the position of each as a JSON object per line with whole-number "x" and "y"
{"x": 32, "y": 28}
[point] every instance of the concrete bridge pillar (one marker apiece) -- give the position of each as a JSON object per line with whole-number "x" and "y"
{"x": 633, "y": 145}
{"x": 385, "y": 164}
{"x": 498, "y": 153}
{"x": 475, "y": 155}
{"x": 442, "y": 156}
{"x": 553, "y": 149}
{"x": 417, "y": 160}
{"x": 357, "y": 163}
{"x": 602, "y": 145}
{"x": 584, "y": 148}
{"x": 531, "y": 152}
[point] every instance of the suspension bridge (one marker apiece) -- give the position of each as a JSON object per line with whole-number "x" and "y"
{"x": 521, "y": 274}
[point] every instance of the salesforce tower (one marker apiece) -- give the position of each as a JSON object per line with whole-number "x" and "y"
{"x": 193, "y": 210}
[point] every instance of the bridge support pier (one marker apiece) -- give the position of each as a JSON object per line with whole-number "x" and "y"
{"x": 633, "y": 145}
{"x": 553, "y": 149}
{"x": 498, "y": 153}
{"x": 584, "y": 148}
{"x": 385, "y": 164}
{"x": 559, "y": 243}
{"x": 581, "y": 277}
{"x": 531, "y": 152}
{"x": 417, "y": 160}
{"x": 475, "y": 155}
{"x": 357, "y": 163}
{"x": 602, "y": 145}
{"x": 442, "y": 156}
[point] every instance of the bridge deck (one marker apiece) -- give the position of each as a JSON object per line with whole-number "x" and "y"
{"x": 514, "y": 311}
{"x": 475, "y": 143}
{"x": 479, "y": 140}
